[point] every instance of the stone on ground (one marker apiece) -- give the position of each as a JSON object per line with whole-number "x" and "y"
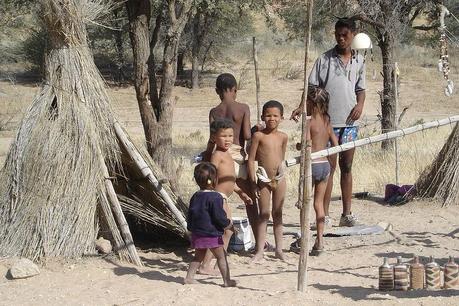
{"x": 24, "y": 268}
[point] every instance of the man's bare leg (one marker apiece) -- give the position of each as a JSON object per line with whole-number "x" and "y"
{"x": 327, "y": 196}
{"x": 199, "y": 255}
{"x": 223, "y": 266}
{"x": 278, "y": 203}
{"x": 263, "y": 217}
{"x": 345, "y": 165}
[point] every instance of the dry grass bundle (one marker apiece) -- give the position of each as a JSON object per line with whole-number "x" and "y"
{"x": 140, "y": 199}
{"x": 52, "y": 175}
{"x": 441, "y": 179}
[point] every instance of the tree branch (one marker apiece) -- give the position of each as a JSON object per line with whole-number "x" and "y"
{"x": 426, "y": 27}
{"x": 362, "y": 17}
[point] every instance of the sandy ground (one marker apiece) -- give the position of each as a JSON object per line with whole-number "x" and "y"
{"x": 345, "y": 274}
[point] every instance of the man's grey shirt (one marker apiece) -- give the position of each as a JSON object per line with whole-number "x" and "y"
{"x": 341, "y": 81}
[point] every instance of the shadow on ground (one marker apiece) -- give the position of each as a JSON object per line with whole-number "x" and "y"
{"x": 369, "y": 294}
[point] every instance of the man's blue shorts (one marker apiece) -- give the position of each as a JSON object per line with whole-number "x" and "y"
{"x": 346, "y": 134}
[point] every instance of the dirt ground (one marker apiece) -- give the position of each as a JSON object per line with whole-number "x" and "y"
{"x": 346, "y": 274}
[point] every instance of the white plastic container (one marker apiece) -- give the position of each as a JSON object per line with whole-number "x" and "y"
{"x": 242, "y": 238}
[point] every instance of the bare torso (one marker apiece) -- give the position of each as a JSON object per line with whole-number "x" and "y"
{"x": 225, "y": 171}
{"x": 239, "y": 114}
{"x": 271, "y": 151}
{"x": 320, "y": 133}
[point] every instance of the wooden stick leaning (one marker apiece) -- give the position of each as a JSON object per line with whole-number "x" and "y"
{"x": 305, "y": 164}
{"x": 397, "y": 153}
{"x": 118, "y": 213}
{"x": 120, "y": 245}
{"x": 148, "y": 174}
{"x": 257, "y": 78}
{"x": 374, "y": 139}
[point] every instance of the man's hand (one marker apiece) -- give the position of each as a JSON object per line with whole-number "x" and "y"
{"x": 296, "y": 114}
{"x": 355, "y": 114}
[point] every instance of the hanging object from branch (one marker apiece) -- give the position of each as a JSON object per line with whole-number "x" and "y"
{"x": 443, "y": 62}
{"x": 362, "y": 42}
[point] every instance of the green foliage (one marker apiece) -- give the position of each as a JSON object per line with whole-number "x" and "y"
{"x": 221, "y": 23}
{"x": 293, "y": 13}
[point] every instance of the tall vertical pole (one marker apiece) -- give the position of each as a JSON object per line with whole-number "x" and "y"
{"x": 305, "y": 163}
{"x": 397, "y": 119}
{"x": 257, "y": 78}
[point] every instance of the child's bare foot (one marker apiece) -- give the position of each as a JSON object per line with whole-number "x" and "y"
{"x": 280, "y": 255}
{"x": 230, "y": 283}
{"x": 208, "y": 271}
{"x": 189, "y": 281}
{"x": 257, "y": 257}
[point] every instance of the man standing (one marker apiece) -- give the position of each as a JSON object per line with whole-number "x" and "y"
{"x": 342, "y": 74}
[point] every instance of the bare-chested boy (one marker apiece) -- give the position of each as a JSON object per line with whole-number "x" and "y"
{"x": 268, "y": 149}
{"x": 221, "y": 134}
{"x": 239, "y": 114}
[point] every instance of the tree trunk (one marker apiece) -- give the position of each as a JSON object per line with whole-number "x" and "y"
{"x": 180, "y": 62}
{"x": 154, "y": 95}
{"x": 139, "y": 22}
{"x": 118, "y": 36}
{"x": 386, "y": 44}
{"x": 161, "y": 144}
{"x": 441, "y": 179}
{"x": 195, "y": 52}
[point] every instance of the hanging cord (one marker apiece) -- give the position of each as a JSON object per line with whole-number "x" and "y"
{"x": 443, "y": 63}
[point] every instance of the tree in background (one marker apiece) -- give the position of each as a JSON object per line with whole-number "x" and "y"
{"x": 389, "y": 20}
{"x": 216, "y": 24}
{"x": 156, "y": 109}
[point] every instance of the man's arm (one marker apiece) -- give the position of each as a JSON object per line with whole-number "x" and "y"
{"x": 358, "y": 108}
{"x": 360, "y": 96}
{"x": 313, "y": 80}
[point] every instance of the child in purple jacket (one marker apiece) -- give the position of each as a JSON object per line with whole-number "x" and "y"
{"x": 206, "y": 221}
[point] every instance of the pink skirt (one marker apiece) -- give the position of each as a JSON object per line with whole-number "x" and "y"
{"x": 205, "y": 242}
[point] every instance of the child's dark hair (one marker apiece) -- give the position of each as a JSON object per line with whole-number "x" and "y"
{"x": 205, "y": 175}
{"x": 224, "y": 82}
{"x": 220, "y": 123}
{"x": 319, "y": 98}
{"x": 271, "y": 104}
{"x": 346, "y": 23}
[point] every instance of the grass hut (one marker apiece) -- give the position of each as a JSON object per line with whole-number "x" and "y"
{"x": 56, "y": 187}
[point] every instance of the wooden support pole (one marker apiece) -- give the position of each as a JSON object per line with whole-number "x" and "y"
{"x": 397, "y": 153}
{"x": 374, "y": 139}
{"x": 148, "y": 174}
{"x": 118, "y": 213}
{"x": 305, "y": 164}
{"x": 120, "y": 246}
{"x": 257, "y": 78}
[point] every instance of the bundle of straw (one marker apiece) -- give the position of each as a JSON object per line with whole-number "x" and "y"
{"x": 441, "y": 179}
{"x": 52, "y": 176}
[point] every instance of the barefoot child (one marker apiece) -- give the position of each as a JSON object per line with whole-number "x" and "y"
{"x": 221, "y": 133}
{"x": 239, "y": 114}
{"x": 207, "y": 220}
{"x": 268, "y": 149}
{"x": 320, "y": 133}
